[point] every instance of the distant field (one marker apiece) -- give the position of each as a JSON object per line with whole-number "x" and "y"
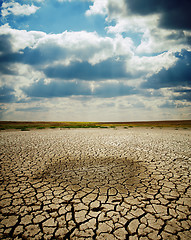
{"x": 41, "y": 125}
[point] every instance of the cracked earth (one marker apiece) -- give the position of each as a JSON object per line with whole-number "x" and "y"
{"x": 96, "y": 184}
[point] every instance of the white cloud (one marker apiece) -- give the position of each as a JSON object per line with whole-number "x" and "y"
{"x": 70, "y": 46}
{"x": 156, "y": 40}
{"x": 98, "y": 7}
{"x": 133, "y": 23}
{"x": 87, "y": 46}
{"x": 153, "y": 39}
{"x": 81, "y": 46}
{"x": 16, "y": 9}
{"x": 112, "y": 8}
{"x": 20, "y": 39}
{"x": 151, "y": 64}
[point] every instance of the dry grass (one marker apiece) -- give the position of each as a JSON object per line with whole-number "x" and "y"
{"x": 41, "y": 125}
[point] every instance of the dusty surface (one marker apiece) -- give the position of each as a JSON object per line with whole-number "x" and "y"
{"x": 96, "y": 184}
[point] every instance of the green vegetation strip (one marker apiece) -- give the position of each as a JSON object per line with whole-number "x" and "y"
{"x": 26, "y": 126}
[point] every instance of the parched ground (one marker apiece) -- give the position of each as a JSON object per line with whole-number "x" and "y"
{"x": 96, "y": 184}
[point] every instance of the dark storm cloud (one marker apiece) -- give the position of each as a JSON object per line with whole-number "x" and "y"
{"x": 70, "y": 88}
{"x": 108, "y": 90}
{"x": 109, "y": 69}
{"x": 5, "y": 69}
{"x": 11, "y": 57}
{"x": 56, "y": 89}
{"x": 175, "y": 14}
{"x": 31, "y": 56}
{"x": 5, "y": 54}
{"x": 177, "y": 75}
{"x": 184, "y": 94}
{"x": 7, "y": 94}
{"x": 5, "y": 44}
{"x": 180, "y": 37}
{"x": 44, "y": 54}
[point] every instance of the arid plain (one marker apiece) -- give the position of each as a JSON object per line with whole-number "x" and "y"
{"x": 113, "y": 183}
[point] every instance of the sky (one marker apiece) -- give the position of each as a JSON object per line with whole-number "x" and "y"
{"x": 95, "y": 60}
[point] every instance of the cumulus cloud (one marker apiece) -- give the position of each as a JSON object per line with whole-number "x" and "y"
{"x": 113, "y": 89}
{"x": 82, "y": 55}
{"x": 174, "y": 14}
{"x": 108, "y": 69}
{"x": 137, "y": 64}
{"x": 5, "y": 49}
{"x": 151, "y": 64}
{"x": 20, "y": 39}
{"x": 86, "y": 46}
{"x": 182, "y": 94}
{"x": 98, "y": 7}
{"x": 57, "y": 89}
{"x": 177, "y": 75}
{"x": 152, "y": 39}
{"x": 17, "y": 9}
{"x": 7, "y": 94}
{"x": 5, "y": 44}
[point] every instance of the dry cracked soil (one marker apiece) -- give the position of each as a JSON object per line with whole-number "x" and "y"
{"x": 96, "y": 184}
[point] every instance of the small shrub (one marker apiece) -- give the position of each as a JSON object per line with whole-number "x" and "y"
{"x": 40, "y": 127}
{"x": 24, "y": 129}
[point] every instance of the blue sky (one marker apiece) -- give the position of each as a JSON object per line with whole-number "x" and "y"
{"x": 57, "y": 17}
{"x": 95, "y": 60}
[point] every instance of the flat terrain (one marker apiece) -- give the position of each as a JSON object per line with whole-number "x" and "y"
{"x": 99, "y": 184}
{"x": 40, "y": 125}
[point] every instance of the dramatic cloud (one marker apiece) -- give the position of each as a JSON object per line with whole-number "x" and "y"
{"x": 56, "y": 89}
{"x": 108, "y": 69}
{"x": 86, "y": 46}
{"x": 174, "y": 14}
{"x": 95, "y": 60}
{"x": 177, "y": 75}
{"x": 7, "y": 94}
{"x": 182, "y": 94}
{"x": 110, "y": 90}
{"x": 5, "y": 44}
{"x": 20, "y": 39}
